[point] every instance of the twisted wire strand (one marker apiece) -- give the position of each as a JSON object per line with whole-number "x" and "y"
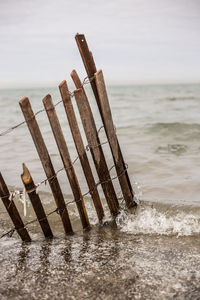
{"x": 57, "y": 210}
{"x": 12, "y": 194}
{"x": 85, "y": 81}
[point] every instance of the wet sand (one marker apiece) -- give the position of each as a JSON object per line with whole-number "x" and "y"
{"x": 101, "y": 264}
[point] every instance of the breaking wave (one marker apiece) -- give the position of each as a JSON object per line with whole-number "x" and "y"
{"x": 149, "y": 219}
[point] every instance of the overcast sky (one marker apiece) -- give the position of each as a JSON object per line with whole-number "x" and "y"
{"x": 133, "y": 41}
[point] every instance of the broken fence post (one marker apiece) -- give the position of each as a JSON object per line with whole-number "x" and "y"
{"x": 12, "y": 211}
{"x": 46, "y": 162}
{"x": 36, "y": 202}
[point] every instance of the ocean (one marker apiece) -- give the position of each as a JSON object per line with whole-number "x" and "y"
{"x": 152, "y": 253}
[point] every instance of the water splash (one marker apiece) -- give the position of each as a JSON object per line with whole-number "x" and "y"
{"x": 149, "y": 220}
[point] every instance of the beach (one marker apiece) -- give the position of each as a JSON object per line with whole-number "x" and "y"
{"x": 152, "y": 253}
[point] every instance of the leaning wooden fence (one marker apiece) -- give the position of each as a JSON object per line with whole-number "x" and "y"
{"x": 96, "y": 80}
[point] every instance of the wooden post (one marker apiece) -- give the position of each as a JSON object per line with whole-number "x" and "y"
{"x": 64, "y": 153}
{"x": 46, "y": 162}
{"x": 112, "y": 138}
{"x": 96, "y": 150}
{"x": 76, "y": 80}
{"x": 88, "y": 60}
{"x": 90, "y": 67}
{"x": 80, "y": 148}
{"x": 36, "y": 202}
{"x": 12, "y": 211}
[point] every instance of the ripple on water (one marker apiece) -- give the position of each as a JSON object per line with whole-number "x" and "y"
{"x": 176, "y": 149}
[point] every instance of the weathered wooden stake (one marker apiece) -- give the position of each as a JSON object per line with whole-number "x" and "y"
{"x": 88, "y": 60}
{"x": 36, "y": 202}
{"x": 46, "y": 162}
{"x": 96, "y": 150}
{"x": 90, "y": 67}
{"x": 76, "y": 80}
{"x": 80, "y": 148}
{"x": 64, "y": 153}
{"x": 112, "y": 138}
{"x": 12, "y": 211}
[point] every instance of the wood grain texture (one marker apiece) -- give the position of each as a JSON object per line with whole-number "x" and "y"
{"x": 88, "y": 61}
{"x": 80, "y": 148}
{"x": 36, "y": 202}
{"x": 96, "y": 150}
{"x": 66, "y": 159}
{"x": 46, "y": 162}
{"x": 112, "y": 138}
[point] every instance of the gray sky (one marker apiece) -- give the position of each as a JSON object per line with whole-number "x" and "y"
{"x": 134, "y": 42}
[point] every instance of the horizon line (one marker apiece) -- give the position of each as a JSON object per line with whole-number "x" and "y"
{"x": 51, "y": 85}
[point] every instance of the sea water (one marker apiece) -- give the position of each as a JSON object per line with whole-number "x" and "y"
{"x": 153, "y": 253}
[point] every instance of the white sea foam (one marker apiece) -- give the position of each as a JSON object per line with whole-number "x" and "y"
{"x": 149, "y": 220}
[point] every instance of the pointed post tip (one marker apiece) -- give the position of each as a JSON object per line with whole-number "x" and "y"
{"x": 26, "y": 176}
